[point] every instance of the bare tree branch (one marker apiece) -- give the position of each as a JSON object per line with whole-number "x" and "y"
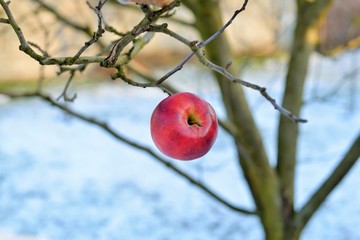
{"x": 44, "y": 52}
{"x": 275, "y": 203}
{"x": 96, "y": 35}
{"x": 112, "y": 132}
{"x": 143, "y": 26}
{"x": 197, "y": 50}
{"x": 64, "y": 93}
{"x": 199, "y": 45}
{"x": 227, "y": 24}
{"x": 196, "y": 47}
{"x": 320, "y": 195}
{"x": 14, "y": 25}
{"x": 44, "y": 59}
{"x": 4, "y": 20}
{"x": 262, "y": 90}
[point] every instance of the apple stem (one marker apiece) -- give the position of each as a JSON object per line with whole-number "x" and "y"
{"x": 193, "y": 121}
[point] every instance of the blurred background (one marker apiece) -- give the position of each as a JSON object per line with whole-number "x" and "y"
{"x": 264, "y": 29}
{"x": 61, "y": 178}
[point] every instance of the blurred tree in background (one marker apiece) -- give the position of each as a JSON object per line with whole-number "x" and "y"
{"x": 115, "y": 47}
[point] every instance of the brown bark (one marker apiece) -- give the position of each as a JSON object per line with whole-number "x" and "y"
{"x": 309, "y": 16}
{"x": 253, "y": 158}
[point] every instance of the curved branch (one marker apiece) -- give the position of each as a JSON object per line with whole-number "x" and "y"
{"x": 313, "y": 204}
{"x": 14, "y": 25}
{"x": 105, "y": 127}
{"x": 64, "y": 93}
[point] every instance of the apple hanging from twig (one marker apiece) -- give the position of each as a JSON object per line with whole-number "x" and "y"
{"x": 184, "y": 126}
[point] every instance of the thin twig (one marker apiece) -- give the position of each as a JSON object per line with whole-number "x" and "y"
{"x": 44, "y": 52}
{"x": 164, "y": 29}
{"x": 99, "y": 32}
{"x": 204, "y": 43}
{"x": 4, "y": 20}
{"x": 113, "y": 30}
{"x": 226, "y": 125}
{"x": 14, "y": 25}
{"x": 261, "y": 90}
{"x": 227, "y": 24}
{"x": 150, "y": 17}
{"x": 64, "y": 93}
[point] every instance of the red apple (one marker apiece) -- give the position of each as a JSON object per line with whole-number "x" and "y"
{"x": 184, "y": 126}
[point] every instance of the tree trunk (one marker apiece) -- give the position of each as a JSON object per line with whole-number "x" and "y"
{"x": 253, "y": 158}
{"x": 272, "y": 191}
{"x": 309, "y": 16}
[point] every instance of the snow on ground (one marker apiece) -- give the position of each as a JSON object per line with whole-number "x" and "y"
{"x": 63, "y": 179}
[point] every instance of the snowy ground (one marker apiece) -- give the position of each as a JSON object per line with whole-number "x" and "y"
{"x": 63, "y": 179}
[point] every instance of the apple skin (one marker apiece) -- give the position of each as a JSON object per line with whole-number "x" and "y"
{"x": 184, "y": 126}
